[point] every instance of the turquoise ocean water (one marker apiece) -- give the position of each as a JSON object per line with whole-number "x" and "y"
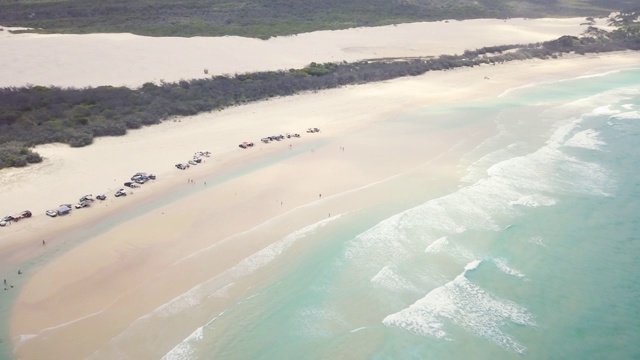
{"x": 534, "y": 254}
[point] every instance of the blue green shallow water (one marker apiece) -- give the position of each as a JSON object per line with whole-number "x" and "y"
{"x": 534, "y": 254}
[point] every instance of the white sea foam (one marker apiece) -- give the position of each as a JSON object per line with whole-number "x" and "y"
{"x": 387, "y": 278}
{"x": 537, "y": 240}
{"x": 628, "y": 106}
{"x": 358, "y": 329}
{"x": 318, "y": 322}
{"x": 629, "y": 115}
{"x": 549, "y": 82}
{"x": 550, "y": 170}
{"x": 466, "y": 305}
{"x": 505, "y": 268}
{"x": 445, "y": 246}
{"x": 604, "y": 110}
{"x": 185, "y": 349}
{"x": 472, "y": 266}
{"x": 437, "y": 246}
{"x": 478, "y": 169}
{"x": 587, "y": 139}
{"x": 401, "y": 235}
{"x": 23, "y": 338}
{"x": 586, "y": 105}
{"x": 534, "y": 200}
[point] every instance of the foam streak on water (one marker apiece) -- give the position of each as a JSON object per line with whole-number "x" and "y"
{"x": 466, "y": 305}
{"x": 387, "y": 278}
{"x": 502, "y": 264}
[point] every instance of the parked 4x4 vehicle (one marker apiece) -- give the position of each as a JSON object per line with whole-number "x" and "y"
{"x": 82, "y": 204}
{"x": 6, "y": 220}
{"x": 87, "y": 197}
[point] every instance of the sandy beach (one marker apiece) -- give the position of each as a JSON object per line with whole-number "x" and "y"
{"x": 104, "y": 267}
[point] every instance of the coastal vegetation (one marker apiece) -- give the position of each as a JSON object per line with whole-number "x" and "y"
{"x": 267, "y": 18}
{"x": 38, "y": 115}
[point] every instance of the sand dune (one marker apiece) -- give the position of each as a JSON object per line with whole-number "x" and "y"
{"x": 130, "y": 60}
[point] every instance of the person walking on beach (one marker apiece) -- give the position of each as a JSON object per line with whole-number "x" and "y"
{"x": 43, "y": 243}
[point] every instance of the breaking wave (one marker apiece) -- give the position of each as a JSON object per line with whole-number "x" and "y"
{"x": 466, "y": 305}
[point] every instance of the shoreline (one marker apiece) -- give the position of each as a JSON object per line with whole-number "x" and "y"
{"x": 104, "y": 267}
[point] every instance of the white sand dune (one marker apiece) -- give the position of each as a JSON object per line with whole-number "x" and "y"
{"x": 131, "y": 60}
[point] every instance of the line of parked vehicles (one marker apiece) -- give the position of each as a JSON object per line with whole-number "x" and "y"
{"x": 11, "y": 218}
{"x": 268, "y": 139}
{"x": 280, "y": 137}
{"x": 85, "y": 201}
{"x": 197, "y": 159}
{"x": 138, "y": 179}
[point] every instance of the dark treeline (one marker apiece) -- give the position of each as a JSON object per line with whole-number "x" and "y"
{"x": 38, "y": 115}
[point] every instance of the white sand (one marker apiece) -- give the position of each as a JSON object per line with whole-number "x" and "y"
{"x": 130, "y": 60}
{"x": 97, "y": 289}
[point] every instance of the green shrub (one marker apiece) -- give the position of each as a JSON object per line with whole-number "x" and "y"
{"x": 104, "y": 127}
{"x": 17, "y": 161}
{"x": 78, "y": 138}
{"x": 33, "y": 157}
